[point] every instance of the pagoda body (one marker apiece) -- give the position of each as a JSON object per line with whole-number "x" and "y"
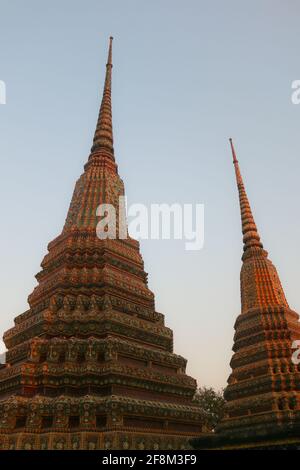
{"x": 90, "y": 365}
{"x": 263, "y": 391}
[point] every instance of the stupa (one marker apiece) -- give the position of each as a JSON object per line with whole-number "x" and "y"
{"x": 263, "y": 391}
{"x": 90, "y": 364}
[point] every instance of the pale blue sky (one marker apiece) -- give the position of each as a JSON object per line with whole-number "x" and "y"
{"x": 187, "y": 75}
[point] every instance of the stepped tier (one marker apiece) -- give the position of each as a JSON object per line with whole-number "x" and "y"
{"x": 263, "y": 392}
{"x": 91, "y": 422}
{"x": 102, "y": 366}
{"x": 70, "y": 393}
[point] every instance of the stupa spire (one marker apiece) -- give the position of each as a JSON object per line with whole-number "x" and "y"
{"x": 103, "y": 138}
{"x": 251, "y": 237}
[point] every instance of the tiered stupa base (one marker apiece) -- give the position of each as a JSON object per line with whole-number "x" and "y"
{"x": 157, "y": 429}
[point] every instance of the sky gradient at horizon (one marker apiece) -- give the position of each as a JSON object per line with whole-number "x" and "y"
{"x": 186, "y": 77}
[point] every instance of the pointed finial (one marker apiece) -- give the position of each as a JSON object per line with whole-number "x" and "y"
{"x": 233, "y": 151}
{"x": 103, "y": 138}
{"x": 236, "y": 164}
{"x": 109, "y": 58}
{"x": 251, "y": 238}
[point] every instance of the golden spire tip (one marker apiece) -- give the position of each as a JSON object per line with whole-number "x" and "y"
{"x": 233, "y": 150}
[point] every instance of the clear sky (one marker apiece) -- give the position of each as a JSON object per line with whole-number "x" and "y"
{"x": 187, "y": 75}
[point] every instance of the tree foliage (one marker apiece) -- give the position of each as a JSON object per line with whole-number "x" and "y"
{"x": 212, "y": 403}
